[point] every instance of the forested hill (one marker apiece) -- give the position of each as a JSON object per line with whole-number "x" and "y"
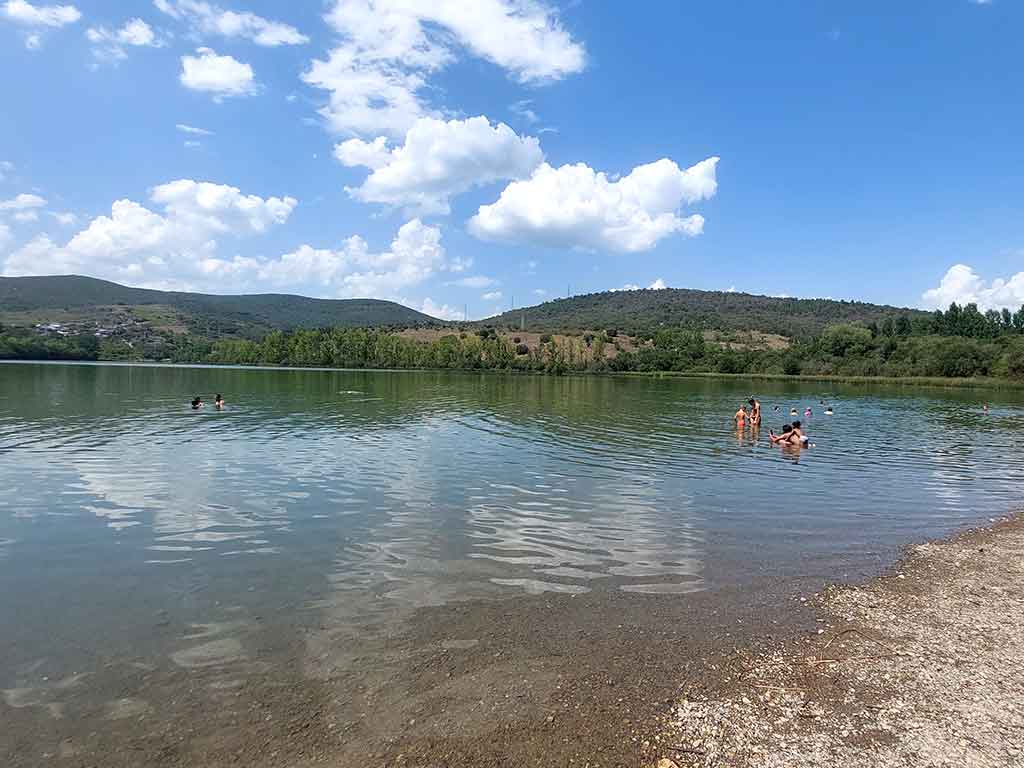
{"x": 646, "y": 310}
{"x": 64, "y": 298}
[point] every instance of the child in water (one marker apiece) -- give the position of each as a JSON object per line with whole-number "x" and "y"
{"x": 741, "y": 416}
{"x": 197, "y": 403}
{"x": 219, "y": 402}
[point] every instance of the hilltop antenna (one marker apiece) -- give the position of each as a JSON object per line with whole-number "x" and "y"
{"x": 522, "y": 321}
{"x": 465, "y": 313}
{"x": 568, "y": 290}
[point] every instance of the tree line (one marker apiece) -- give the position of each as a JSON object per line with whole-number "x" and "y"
{"x": 959, "y": 342}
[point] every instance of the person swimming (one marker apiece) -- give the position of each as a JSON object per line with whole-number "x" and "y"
{"x": 828, "y": 410}
{"x": 793, "y": 412}
{"x": 800, "y": 438}
{"x": 741, "y": 416}
{"x": 219, "y": 401}
{"x": 807, "y": 413}
{"x": 787, "y": 433}
{"x": 197, "y": 403}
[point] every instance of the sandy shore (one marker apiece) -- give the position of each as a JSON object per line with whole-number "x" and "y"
{"x": 923, "y": 666}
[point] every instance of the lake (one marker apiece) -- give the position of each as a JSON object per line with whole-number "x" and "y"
{"x": 333, "y": 529}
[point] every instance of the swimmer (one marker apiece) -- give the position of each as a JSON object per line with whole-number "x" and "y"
{"x": 755, "y": 412}
{"x": 792, "y": 412}
{"x": 807, "y": 413}
{"x": 828, "y": 410}
{"x": 219, "y": 401}
{"x": 197, "y": 403}
{"x": 775, "y": 407}
{"x": 985, "y": 408}
{"x": 785, "y": 437}
{"x": 800, "y": 438}
{"x": 741, "y": 416}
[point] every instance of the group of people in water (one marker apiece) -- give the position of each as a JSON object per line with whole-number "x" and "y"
{"x": 218, "y": 402}
{"x": 792, "y": 434}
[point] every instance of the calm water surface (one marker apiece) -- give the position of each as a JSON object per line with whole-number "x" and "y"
{"x": 354, "y": 498}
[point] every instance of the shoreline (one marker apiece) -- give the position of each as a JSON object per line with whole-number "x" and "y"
{"x": 937, "y": 382}
{"x": 922, "y": 665}
{"x": 735, "y": 676}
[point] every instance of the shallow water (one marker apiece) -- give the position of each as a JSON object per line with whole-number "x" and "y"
{"x": 350, "y": 499}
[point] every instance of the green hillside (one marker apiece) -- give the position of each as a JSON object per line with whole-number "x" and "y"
{"x": 83, "y": 300}
{"x": 648, "y": 310}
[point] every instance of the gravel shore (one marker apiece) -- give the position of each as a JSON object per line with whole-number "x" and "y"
{"x": 923, "y": 666}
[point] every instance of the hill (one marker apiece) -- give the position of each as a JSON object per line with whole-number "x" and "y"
{"x": 647, "y": 310}
{"x": 73, "y": 299}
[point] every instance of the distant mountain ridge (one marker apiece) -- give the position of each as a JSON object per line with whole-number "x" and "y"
{"x": 73, "y": 298}
{"x": 647, "y": 310}
{"x": 214, "y": 315}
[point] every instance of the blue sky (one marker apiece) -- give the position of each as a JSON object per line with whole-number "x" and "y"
{"x": 473, "y": 152}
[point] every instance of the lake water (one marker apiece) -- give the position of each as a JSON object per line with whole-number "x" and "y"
{"x": 313, "y": 518}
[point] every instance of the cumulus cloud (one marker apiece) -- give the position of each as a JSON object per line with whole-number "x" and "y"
{"x": 492, "y": 296}
{"x": 353, "y": 270}
{"x": 219, "y": 75}
{"x": 965, "y": 286}
{"x": 440, "y": 311}
{"x": 26, "y": 216}
{"x": 657, "y": 285}
{"x": 390, "y": 48}
{"x": 438, "y": 160}
{"x": 110, "y": 45}
{"x": 576, "y": 207}
{"x": 66, "y": 218}
{"x": 171, "y": 247}
{"x": 475, "y": 281}
{"x": 30, "y": 15}
{"x": 208, "y": 19}
{"x": 23, "y": 202}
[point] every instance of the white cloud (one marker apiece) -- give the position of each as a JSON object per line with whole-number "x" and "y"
{"x": 539, "y": 292}
{"x": 731, "y": 289}
{"x": 192, "y": 130}
{"x": 208, "y": 19}
{"x": 981, "y": 2}
{"x": 5, "y": 235}
{"x": 22, "y": 202}
{"x": 6, "y": 167}
{"x": 575, "y": 206}
{"x": 439, "y": 160}
{"x": 33, "y": 41}
{"x": 352, "y": 270}
{"x": 220, "y": 75}
{"x": 657, "y": 285}
{"x": 67, "y": 218}
{"x": 492, "y": 296}
{"x": 30, "y": 15}
{"x": 440, "y": 311}
{"x": 26, "y": 216}
{"x": 390, "y": 48}
{"x": 965, "y": 286}
{"x": 475, "y": 281}
{"x": 523, "y": 110}
{"x": 109, "y": 45}
{"x": 192, "y": 144}
{"x": 174, "y": 247}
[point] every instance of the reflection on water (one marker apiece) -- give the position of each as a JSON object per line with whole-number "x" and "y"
{"x": 367, "y": 495}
